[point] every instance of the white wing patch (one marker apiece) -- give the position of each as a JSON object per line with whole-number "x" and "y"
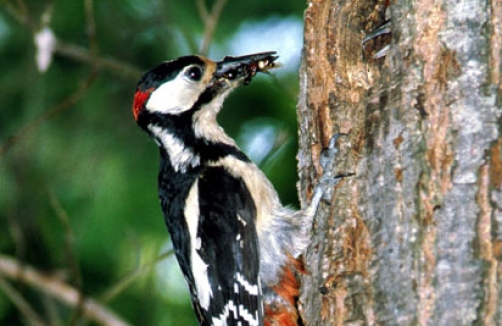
{"x": 250, "y": 288}
{"x": 240, "y": 311}
{"x": 246, "y": 315}
{"x": 221, "y": 320}
{"x": 199, "y": 267}
{"x": 180, "y": 156}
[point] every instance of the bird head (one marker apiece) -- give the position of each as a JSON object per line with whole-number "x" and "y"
{"x": 177, "y": 102}
{"x": 193, "y": 83}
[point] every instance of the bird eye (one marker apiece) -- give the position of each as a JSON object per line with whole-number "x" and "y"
{"x": 194, "y": 73}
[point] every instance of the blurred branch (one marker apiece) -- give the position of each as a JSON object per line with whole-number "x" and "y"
{"x": 20, "y": 12}
{"x": 90, "y": 57}
{"x": 12, "y": 269}
{"x": 84, "y": 55}
{"x": 17, "y": 236}
{"x": 70, "y": 257}
{"x": 51, "y": 311}
{"x": 123, "y": 283}
{"x": 91, "y": 27}
{"x": 202, "y": 10}
{"x": 72, "y": 51}
{"x": 69, "y": 239}
{"x": 210, "y": 21}
{"x": 24, "y": 307}
{"x": 67, "y": 103}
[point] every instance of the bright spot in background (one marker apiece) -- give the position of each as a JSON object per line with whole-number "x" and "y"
{"x": 284, "y": 35}
{"x": 171, "y": 283}
{"x": 4, "y": 31}
{"x": 45, "y": 42}
{"x": 258, "y": 137}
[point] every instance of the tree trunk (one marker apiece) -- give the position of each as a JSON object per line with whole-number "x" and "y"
{"x": 414, "y": 238}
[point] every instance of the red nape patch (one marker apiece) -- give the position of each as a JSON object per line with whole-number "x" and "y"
{"x": 140, "y": 99}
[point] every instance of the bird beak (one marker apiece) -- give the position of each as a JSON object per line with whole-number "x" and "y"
{"x": 245, "y": 66}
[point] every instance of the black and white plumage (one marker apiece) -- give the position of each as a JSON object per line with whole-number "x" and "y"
{"x": 235, "y": 242}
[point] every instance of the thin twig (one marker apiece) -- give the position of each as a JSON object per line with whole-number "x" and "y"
{"x": 202, "y": 10}
{"x": 22, "y": 6}
{"x": 69, "y": 253}
{"x": 84, "y": 55}
{"x": 20, "y": 12}
{"x": 69, "y": 239}
{"x": 52, "y": 311}
{"x": 91, "y": 27}
{"x": 46, "y": 17}
{"x": 88, "y": 56}
{"x": 12, "y": 269}
{"x": 67, "y": 103}
{"x": 22, "y": 305}
{"x": 126, "y": 280}
{"x": 210, "y": 22}
{"x": 17, "y": 235}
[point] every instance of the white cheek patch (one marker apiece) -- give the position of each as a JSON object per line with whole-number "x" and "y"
{"x": 174, "y": 97}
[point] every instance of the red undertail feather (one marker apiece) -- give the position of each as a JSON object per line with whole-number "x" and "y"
{"x": 285, "y": 313}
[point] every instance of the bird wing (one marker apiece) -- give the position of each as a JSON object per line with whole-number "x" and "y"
{"x": 226, "y": 258}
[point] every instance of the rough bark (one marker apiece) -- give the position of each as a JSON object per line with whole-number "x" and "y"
{"x": 414, "y": 238}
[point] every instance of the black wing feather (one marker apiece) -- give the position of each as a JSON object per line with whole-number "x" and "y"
{"x": 229, "y": 245}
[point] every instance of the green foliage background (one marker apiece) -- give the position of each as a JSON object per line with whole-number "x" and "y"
{"x": 91, "y": 163}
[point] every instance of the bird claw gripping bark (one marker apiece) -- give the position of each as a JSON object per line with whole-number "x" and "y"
{"x": 329, "y": 179}
{"x": 379, "y": 31}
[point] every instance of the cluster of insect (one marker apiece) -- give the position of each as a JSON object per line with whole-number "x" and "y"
{"x": 248, "y": 65}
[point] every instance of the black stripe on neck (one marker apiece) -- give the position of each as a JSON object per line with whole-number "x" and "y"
{"x": 180, "y": 126}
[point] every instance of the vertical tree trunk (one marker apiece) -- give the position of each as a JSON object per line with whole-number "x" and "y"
{"x": 415, "y": 238}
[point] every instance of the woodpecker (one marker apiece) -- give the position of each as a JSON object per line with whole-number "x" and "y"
{"x": 237, "y": 246}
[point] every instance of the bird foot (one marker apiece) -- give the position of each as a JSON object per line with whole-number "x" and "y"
{"x": 330, "y": 178}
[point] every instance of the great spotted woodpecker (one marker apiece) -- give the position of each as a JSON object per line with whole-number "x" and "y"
{"x": 237, "y": 246}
